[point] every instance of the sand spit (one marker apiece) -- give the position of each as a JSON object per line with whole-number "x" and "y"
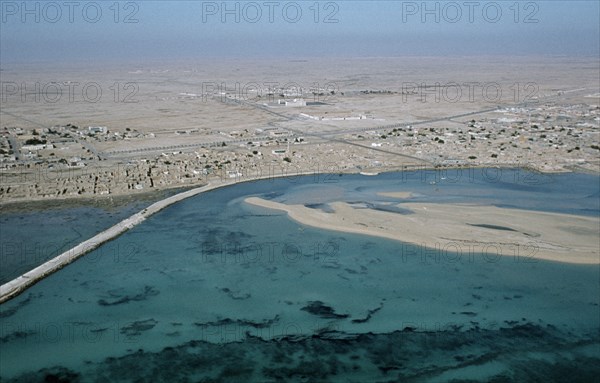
{"x": 15, "y": 287}
{"x": 464, "y": 229}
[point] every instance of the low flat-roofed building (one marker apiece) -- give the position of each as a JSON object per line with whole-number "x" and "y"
{"x": 292, "y": 103}
{"x": 30, "y": 148}
{"x": 97, "y": 129}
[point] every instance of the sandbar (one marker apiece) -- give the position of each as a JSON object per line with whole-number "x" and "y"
{"x": 522, "y": 234}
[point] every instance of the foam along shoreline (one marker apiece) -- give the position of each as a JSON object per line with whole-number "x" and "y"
{"x": 465, "y": 229}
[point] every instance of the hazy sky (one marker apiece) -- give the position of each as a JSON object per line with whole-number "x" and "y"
{"x": 94, "y": 30}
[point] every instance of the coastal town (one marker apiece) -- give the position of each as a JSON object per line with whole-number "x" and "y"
{"x": 350, "y": 191}
{"x": 70, "y": 160}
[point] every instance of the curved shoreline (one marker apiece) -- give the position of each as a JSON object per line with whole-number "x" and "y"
{"x": 411, "y": 167}
{"x": 464, "y": 229}
{"x": 18, "y": 285}
{"x": 15, "y": 287}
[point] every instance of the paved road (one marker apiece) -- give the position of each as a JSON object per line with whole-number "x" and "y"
{"x": 330, "y": 136}
{"x": 195, "y": 145}
{"x": 405, "y": 124}
{"x": 83, "y": 143}
{"x": 326, "y": 136}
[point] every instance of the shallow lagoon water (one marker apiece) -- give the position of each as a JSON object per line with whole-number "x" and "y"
{"x": 31, "y": 236}
{"x": 216, "y": 289}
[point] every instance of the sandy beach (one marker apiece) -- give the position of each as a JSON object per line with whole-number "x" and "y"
{"x": 350, "y": 191}
{"x": 464, "y": 229}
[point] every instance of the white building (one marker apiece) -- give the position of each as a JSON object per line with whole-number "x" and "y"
{"x": 97, "y": 129}
{"x": 278, "y": 133}
{"x": 76, "y": 162}
{"x": 31, "y": 148}
{"x": 293, "y": 103}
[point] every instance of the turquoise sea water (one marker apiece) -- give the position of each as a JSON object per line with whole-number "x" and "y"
{"x": 31, "y": 237}
{"x": 213, "y": 289}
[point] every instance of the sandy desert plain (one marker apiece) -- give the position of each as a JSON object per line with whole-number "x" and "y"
{"x": 180, "y": 124}
{"x": 106, "y": 134}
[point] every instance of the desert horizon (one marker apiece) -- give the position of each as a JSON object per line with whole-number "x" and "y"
{"x": 246, "y": 191}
